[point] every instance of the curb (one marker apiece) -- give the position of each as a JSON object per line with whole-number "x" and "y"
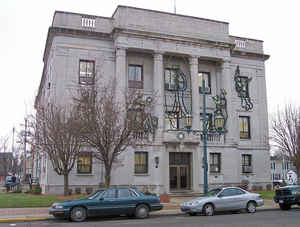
{"x": 167, "y": 213}
{"x": 7, "y": 220}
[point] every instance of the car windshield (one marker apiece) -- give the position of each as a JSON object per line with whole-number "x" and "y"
{"x": 95, "y": 194}
{"x": 213, "y": 192}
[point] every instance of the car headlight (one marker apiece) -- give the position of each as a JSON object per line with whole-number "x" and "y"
{"x": 195, "y": 203}
{"x": 57, "y": 206}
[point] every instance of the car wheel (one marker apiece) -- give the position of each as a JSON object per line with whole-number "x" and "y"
{"x": 141, "y": 211}
{"x": 192, "y": 214}
{"x": 208, "y": 210}
{"x": 78, "y": 214}
{"x": 285, "y": 206}
{"x": 251, "y": 207}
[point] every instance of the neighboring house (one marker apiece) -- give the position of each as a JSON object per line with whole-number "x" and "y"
{"x": 147, "y": 50}
{"x": 6, "y": 159}
{"x": 280, "y": 166}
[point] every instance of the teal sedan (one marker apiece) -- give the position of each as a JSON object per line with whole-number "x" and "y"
{"x": 111, "y": 201}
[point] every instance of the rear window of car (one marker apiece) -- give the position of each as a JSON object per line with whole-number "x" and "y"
{"x": 8, "y": 178}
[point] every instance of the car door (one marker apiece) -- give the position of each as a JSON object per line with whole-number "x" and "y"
{"x": 127, "y": 200}
{"x": 241, "y": 198}
{"x": 225, "y": 200}
{"x": 108, "y": 203}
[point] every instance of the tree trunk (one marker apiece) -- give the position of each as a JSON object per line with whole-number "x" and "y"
{"x": 107, "y": 181}
{"x": 107, "y": 176}
{"x": 66, "y": 184}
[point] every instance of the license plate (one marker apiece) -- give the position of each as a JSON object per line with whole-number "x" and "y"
{"x": 280, "y": 201}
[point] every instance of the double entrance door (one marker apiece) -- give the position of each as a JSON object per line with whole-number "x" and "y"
{"x": 179, "y": 171}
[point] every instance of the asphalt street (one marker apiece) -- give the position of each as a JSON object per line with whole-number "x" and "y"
{"x": 275, "y": 218}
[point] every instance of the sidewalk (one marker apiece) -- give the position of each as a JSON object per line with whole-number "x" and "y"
{"x": 41, "y": 214}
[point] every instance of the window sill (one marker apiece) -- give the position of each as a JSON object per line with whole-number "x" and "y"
{"x": 248, "y": 174}
{"x": 142, "y": 174}
{"x": 85, "y": 174}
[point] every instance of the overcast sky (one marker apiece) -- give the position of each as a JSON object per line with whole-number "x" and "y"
{"x": 24, "y": 26}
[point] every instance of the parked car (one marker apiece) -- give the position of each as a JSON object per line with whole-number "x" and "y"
{"x": 287, "y": 196}
{"x": 111, "y": 201}
{"x": 223, "y": 199}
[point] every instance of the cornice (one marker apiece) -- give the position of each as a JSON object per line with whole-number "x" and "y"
{"x": 247, "y": 54}
{"x": 172, "y": 38}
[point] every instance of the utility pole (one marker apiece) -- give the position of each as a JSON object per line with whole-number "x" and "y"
{"x": 175, "y": 6}
{"x": 25, "y": 153}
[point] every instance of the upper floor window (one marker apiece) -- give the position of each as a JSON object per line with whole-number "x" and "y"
{"x": 206, "y": 77}
{"x": 244, "y": 127}
{"x": 84, "y": 163}
{"x": 247, "y": 163}
{"x": 135, "y": 76}
{"x": 140, "y": 162}
{"x": 86, "y": 72}
{"x": 173, "y": 79}
{"x": 215, "y": 162}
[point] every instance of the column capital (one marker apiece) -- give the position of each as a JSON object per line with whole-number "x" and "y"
{"x": 194, "y": 59}
{"x": 121, "y": 51}
{"x": 226, "y": 60}
{"x": 158, "y": 55}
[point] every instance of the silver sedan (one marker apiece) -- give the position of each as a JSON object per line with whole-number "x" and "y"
{"x": 223, "y": 199}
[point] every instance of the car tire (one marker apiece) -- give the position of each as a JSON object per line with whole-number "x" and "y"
{"x": 193, "y": 214}
{"x": 142, "y": 211}
{"x": 251, "y": 207}
{"x": 78, "y": 214}
{"x": 208, "y": 209}
{"x": 285, "y": 206}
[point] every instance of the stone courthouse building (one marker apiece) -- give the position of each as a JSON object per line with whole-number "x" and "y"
{"x": 168, "y": 55}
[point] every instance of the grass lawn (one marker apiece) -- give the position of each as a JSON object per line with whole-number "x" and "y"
{"x": 20, "y": 200}
{"x": 266, "y": 194}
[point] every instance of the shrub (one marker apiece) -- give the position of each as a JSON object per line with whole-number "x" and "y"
{"x": 36, "y": 190}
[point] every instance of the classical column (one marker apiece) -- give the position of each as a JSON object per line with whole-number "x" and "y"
{"x": 195, "y": 92}
{"x": 158, "y": 88}
{"x": 227, "y": 83}
{"x": 121, "y": 75}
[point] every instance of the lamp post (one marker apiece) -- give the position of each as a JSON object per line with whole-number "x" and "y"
{"x": 204, "y": 133}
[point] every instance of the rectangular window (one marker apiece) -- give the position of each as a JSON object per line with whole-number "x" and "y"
{"x": 247, "y": 163}
{"x": 140, "y": 162}
{"x": 206, "y": 77}
{"x": 135, "y": 76}
{"x": 86, "y": 72}
{"x": 173, "y": 79}
{"x": 84, "y": 163}
{"x": 244, "y": 127}
{"x": 215, "y": 162}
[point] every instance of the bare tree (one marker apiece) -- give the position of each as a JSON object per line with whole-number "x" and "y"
{"x": 58, "y": 133}
{"x": 286, "y": 133}
{"x": 111, "y": 126}
{"x": 5, "y": 157}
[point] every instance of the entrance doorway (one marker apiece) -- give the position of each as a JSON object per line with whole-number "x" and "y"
{"x": 180, "y": 171}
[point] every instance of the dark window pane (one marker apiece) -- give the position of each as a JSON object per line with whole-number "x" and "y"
{"x": 244, "y": 127}
{"x": 141, "y": 162}
{"x": 84, "y": 163}
{"x": 86, "y": 72}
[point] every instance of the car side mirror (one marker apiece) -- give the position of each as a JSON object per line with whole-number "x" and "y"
{"x": 101, "y": 198}
{"x": 220, "y": 196}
